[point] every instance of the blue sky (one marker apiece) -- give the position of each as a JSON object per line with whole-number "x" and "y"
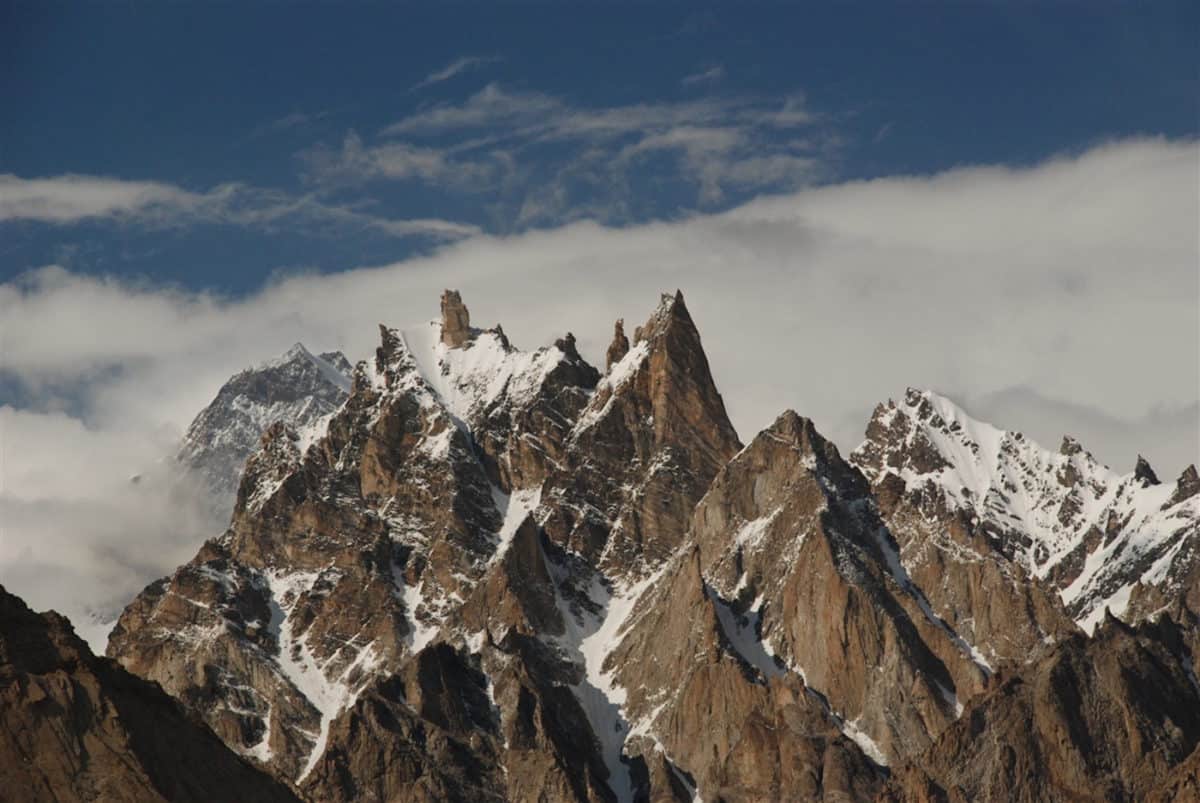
{"x": 322, "y": 137}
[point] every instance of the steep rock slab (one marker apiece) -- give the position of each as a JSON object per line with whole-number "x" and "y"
{"x": 642, "y": 452}
{"x": 425, "y": 734}
{"x": 789, "y": 535}
{"x": 1105, "y": 718}
{"x": 76, "y": 727}
{"x": 706, "y": 702}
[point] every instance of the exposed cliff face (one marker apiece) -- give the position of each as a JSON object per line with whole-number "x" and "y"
{"x": 74, "y": 727}
{"x": 789, "y": 535}
{"x": 1096, "y": 719}
{"x": 642, "y": 452}
{"x": 703, "y": 695}
{"x": 494, "y": 574}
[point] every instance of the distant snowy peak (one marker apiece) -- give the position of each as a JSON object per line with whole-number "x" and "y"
{"x": 1063, "y": 516}
{"x": 297, "y": 388}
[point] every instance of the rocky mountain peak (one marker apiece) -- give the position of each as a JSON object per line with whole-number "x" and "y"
{"x": 456, "y": 320}
{"x": 1187, "y": 486}
{"x": 1144, "y": 473}
{"x": 1070, "y": 446}
{"x": 657, "y": 431}
{"x": 671, "y": 310}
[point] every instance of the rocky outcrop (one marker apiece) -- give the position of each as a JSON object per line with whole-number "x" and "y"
{"x": 456, "y": 320}
{"x": 1105, "y": 718}
{"x": 76, "y": 727}
{"x": 1182, "y": 783}
{"x": 1143, "y": 472}
{"x": 619, "y": 346}
{"x": 428, "y": 733}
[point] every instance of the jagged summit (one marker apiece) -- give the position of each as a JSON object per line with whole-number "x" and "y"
{"x": 1062, "y": 516}
{"x": 1144, "y": 472}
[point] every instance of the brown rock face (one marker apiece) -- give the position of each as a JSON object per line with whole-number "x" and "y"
{"x": 1182, "y": 784}
{"x": 743, "y": 728}
{"x": 74, "y": 727}
{"x": 789, "y": 533}
{"x": 426, "y": 734}
{"x": 456, "y": 321}
{"x": 1096, "y": 719}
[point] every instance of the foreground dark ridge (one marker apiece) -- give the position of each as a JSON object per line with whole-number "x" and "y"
{"x": 504, "y": 575}
{"x": 77, "y": 727}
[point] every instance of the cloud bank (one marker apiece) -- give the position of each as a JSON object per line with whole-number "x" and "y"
{"x": 1061, "y": 297}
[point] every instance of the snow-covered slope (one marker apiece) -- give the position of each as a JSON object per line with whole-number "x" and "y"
{"x": 1063, "y": 516}
{"x": 486, "y": 371}
{"x": 298, "y": 388}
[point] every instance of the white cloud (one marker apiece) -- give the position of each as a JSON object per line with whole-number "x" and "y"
{"x": 88, "y": 516}
{"x": 456, "y": 67}
{"x": 70, "y": 198}
{"x": 1076, "y": 278}
{"x": 711, "y": 75}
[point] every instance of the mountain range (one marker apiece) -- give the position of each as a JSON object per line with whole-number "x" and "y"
{"x": 462, "y": 571}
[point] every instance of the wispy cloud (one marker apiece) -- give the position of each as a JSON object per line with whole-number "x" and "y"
{"x": 354, "y": 162}
{"x": 571, "y": 155}
{"x": 288, "y": 122}
{"x": 708, "y": 76}
{"x": 456, "y": 67}
{"x": 71, "y": 198}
